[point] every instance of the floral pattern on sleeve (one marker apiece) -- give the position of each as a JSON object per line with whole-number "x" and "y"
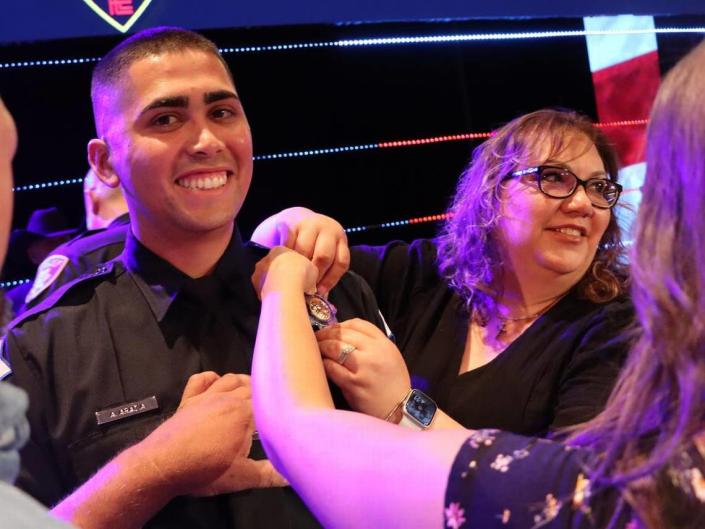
{"x": 501, "y": 475}
{"x": 455, "y": 515}
{"x": 501, "y": 480}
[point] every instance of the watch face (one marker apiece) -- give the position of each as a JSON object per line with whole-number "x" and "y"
{"x": 421, "y": 407}
{"x": 319, "y": 309}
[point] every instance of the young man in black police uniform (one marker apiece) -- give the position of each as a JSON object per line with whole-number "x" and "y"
{"x": 105, "y": 358}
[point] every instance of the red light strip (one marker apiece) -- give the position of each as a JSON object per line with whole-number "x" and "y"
{"x": 434, "y": 139}
{"x": 484, "y": 135}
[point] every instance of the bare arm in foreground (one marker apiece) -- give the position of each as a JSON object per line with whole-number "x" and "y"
{"x": 350, "y": 469}
{"x": 201, "y": 450}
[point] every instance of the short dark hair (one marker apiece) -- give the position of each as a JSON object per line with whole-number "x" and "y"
{"x": 153, "y": 41}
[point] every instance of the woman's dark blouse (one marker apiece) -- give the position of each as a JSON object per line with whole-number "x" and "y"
{"x": 502, "y": 480}
{"x": 559, "y": 372}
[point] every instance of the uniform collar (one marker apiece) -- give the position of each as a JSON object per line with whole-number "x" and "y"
{"x": 120, "y": 221}
{"x": 161, "y": 282}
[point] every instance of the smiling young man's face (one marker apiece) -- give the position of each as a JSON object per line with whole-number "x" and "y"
{"x": 176, "y": 137}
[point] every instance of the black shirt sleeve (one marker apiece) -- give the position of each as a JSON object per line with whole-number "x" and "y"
{"x": 593, "y": 367}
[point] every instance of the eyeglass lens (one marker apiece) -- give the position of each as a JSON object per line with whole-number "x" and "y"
{"x": 561, "y": 183}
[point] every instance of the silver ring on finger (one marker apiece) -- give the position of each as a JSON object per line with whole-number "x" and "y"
{"x": 344, "y": 353}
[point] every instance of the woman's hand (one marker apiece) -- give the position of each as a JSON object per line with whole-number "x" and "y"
{"x": 284, "y": 268}
{"x": 373, "y": 377}
{"x": 317, "y": 237}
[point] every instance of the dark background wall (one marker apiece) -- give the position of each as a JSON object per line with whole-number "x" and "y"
{"x": 313, "y": 98}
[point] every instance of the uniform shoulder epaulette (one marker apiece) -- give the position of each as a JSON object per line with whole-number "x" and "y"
{"x": 113, "y": 267}
{"x": 96, "y": 239}
{"x": 83, "y": 235}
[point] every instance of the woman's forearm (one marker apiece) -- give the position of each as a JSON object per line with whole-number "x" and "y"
{"x": 352, "y": 470}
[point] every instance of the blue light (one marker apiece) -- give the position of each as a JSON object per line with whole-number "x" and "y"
{"x": 47, "y": 62}
{"x": 394, "y": 41}
{"x": 43, "y": 185}
{"x": 10, "y": 284}
{"x": 315, "y": 152}
{"x": 475, "y": 37}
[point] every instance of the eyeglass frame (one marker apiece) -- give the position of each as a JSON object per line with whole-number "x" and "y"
{"x": 578, "y": 182}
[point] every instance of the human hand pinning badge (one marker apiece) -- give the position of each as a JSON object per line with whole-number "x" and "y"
{"x": 367, "y": 366}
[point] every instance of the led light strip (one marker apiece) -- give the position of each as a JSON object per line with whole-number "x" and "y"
{"x": 391, "y": 41}
{"x": 349, "y": 148}
{"x": 316, "y": 152}
{"x": 10, "y": 284}
{"x": 45, "y": 185}
{"x": 475, "y": 37}
{"x": 396, "y": 223}
{"x": 48, "y": 62}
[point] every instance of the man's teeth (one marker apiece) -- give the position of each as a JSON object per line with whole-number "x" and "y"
{"x": 204, "y": 182}
{"x": 569, "y": 231}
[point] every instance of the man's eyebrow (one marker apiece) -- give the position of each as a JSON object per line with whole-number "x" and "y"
{"x": 167, "y": 102}
{"x": 218, "y": 95}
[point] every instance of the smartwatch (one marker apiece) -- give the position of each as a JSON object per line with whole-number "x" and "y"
{"x": 418, "y": 410}
{"x": 321, "y": 312}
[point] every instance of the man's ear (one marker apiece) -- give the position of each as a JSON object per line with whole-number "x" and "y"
{"x": 99, "y": 160}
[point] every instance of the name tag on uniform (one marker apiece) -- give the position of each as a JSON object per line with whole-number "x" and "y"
{"x": 123, "y": 411}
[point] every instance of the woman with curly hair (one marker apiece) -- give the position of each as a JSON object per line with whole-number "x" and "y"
{"x": 639, "y": 464}
{"x": 513, "y": 317}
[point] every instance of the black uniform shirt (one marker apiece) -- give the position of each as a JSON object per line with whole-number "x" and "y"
{"x": 559, "y": 372}
{"x": 139, "y": 328}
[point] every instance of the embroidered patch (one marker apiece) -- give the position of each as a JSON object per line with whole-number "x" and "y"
{"x": 123, "y": 411}
{"x": 47, "y": 273}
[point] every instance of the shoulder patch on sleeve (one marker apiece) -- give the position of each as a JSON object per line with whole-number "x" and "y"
{"x": 47, "y": 273}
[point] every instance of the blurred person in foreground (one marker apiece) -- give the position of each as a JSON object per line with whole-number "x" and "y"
{"x": 17, "y": 510}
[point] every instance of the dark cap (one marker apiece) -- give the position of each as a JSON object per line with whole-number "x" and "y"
{"x": 44, "y": 226}
{"x": 47, "y": 223}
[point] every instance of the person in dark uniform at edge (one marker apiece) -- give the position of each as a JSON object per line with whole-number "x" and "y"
{"x": 46, "y": 229}
{"x": 107, "y": 224}
{"x": 136, "y": 374}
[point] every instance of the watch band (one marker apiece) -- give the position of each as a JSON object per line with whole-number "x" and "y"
{"x": 408, "y": 422}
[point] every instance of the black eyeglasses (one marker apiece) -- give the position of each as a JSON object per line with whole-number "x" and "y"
{"x": 559, "y": 182}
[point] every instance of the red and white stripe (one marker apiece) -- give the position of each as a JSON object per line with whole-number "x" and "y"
{"x": 625, "y": 70}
